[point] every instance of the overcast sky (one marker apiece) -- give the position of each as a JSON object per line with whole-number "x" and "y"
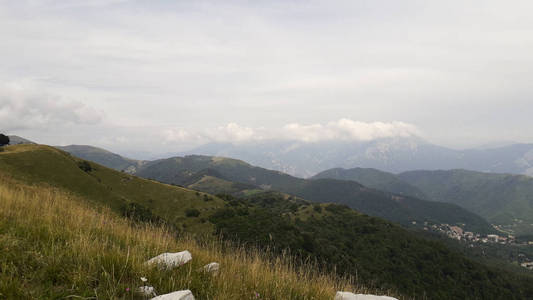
{"x": 165, "y": 76}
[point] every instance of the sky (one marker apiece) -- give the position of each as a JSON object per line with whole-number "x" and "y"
{"x": 166, "y": 76}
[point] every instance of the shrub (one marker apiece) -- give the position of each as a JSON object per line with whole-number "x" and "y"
{"x": 138, "y": 212}
{"x": 192, "y": 212}
{"x": 85, "y": 166}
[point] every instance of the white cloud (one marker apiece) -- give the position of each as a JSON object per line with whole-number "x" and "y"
{"x": 349, "y": 130}
{"x": 340, "y": 130}
{"x": 232, "y": 132}
{"x": 22, "y": 107}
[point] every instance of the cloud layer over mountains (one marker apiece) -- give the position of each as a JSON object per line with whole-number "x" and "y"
{"x": 341, "y": 130}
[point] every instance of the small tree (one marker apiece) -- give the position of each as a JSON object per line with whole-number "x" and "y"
{"x": 4, "y": 140}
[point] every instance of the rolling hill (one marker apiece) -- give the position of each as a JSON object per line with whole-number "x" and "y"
{"x": 373, "y": 178}
{"x": 397, "y": 208}
{"x": 39, "y": 164}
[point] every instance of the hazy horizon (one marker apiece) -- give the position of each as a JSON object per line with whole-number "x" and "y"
{"x": 165, "y": 76}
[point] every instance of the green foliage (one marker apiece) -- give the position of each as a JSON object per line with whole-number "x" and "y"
{"x": 85, "y": 166}
{"x": 192, "y": 213}
{"x": 377, "y": 252}
{"x": 139, "y": 212}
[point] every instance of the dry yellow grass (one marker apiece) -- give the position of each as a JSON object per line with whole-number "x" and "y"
{"x": 55, "y": 245}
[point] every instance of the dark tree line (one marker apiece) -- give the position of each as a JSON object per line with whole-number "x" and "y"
{"x": 4, "y": 140}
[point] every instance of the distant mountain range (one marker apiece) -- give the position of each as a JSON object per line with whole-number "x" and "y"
{"x": 392, "y": 155}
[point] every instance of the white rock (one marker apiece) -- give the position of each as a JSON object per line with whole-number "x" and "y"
{"x": 171, "y": 260}
{"x": 147, "y": 290}
{"x": 212, "y": 267}
{"x": 179, "y": 295}
{"x": 352, "y": 296}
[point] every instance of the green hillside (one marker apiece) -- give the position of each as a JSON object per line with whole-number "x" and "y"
{"x": 501, "y": 198}
{"x": 54, "y": 245}
{"x": 38, "y": 164}
{"x": 397, "y": 208}
{"x": 373, "y": 178}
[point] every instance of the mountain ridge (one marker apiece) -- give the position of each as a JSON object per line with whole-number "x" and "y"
{"x": 395, "y": 155}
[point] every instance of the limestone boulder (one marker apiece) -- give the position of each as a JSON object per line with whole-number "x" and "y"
{"x": 171, "y": 260}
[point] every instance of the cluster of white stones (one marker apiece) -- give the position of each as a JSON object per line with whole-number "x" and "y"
{"x": 172, "y": 260}
{"x": 169, "y": 261}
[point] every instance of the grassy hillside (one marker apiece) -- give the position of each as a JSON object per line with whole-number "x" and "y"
{"x": 102, "y": 157}
{"x": 54, "y": 245}
{"x": 38, "y": 164}
{"x": 401, "y": 209}
{"x": 501, "y": 198}
{"x": 373, "y": 178}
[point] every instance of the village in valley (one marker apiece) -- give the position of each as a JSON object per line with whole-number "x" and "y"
{"x": 457, "y": 233}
